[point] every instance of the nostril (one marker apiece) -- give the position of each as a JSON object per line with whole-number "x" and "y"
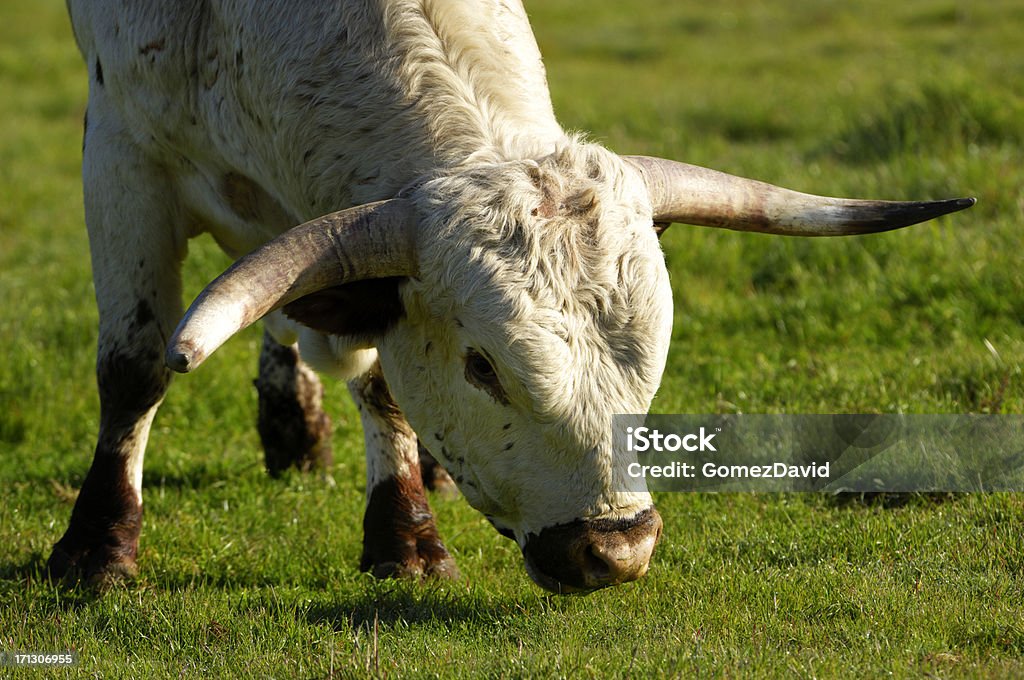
{"x": 611, "y": 561}
{"x": 595, "y": 566}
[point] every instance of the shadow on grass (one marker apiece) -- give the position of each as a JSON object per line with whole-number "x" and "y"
{"x": 196, "y": 477}
{"x": 31, "y": 570}
{"x": 62, "y": 595}
{"x": 67, "y": 481}
{"x": 387, "y": 604}
{"x": 891, "y": 499}
{"x": 374, "y": 603}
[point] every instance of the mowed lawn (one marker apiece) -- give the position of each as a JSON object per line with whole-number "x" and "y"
{"x": 247, "y": 576}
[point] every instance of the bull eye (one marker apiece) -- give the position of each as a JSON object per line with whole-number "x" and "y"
{"x": 480, "y": 372}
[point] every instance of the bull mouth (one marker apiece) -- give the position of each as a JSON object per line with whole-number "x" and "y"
{"x": 590, "y": 554}
{"x": 553, "y": 585}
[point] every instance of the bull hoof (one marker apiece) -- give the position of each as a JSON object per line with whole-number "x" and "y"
{"x": 101, "y": 543}
{"x": 400, "y": 538}
{"x": 97, "y": 568}
{"x": 428, "y": 560}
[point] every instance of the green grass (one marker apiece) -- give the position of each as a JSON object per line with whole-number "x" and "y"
{"x": 244, "y": 575}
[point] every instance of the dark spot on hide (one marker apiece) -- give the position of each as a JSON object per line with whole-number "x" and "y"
{"x": 365, "y": 309}
{"x": 152, "y": 46}
{"x": 250, "y": 202}
{"x": 399, "y": 534}
{"x": 85, "y": 130}
{"x": 143, "y": 312}
{"x": 98, "y": 71}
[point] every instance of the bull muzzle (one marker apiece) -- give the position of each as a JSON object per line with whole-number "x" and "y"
{"x": 592, "y": 553}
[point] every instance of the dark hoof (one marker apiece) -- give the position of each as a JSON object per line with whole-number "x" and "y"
{"x": 98, "y": 568}
{"x": 400, "y": 538}
{"x": 424, "y": 562}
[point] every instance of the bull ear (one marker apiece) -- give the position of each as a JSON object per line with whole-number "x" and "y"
{"x": 365, "y": 309}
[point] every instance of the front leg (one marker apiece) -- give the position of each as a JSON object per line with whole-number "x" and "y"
{"x": 136, "y": 237}
{"x": 399, "y": 534}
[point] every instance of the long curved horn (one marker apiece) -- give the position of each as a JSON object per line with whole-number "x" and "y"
{"x": 694, "y": 195}
{"x": 369, "y": 241}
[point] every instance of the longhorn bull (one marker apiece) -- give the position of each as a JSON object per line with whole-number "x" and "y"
{"x": 477, "y": 274}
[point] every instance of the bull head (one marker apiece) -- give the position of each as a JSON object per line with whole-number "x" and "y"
{"x": 534, "y": 304}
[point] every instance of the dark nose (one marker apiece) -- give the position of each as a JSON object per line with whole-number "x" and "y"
{"x": 592, "y": 553}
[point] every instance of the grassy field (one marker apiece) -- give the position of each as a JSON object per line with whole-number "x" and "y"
{"x": 244, "y": 575}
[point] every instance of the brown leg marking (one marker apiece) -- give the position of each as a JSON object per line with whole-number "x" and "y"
{"x": 400, "y": 538}
{"x": 293, "y": 427}
{"x": 102, "y": 539}
{"x": 399, "y": 534}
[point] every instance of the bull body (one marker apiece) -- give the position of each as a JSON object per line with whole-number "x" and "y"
{"x": 481, "y": 277}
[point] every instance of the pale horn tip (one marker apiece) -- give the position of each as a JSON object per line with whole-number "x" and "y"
{"x": 182, "y": 356}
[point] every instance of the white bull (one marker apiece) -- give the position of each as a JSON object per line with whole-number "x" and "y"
{"x": 490, "y": 282}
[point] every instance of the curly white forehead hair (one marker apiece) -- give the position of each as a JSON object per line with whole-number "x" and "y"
{"x": 564, "y": 248}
